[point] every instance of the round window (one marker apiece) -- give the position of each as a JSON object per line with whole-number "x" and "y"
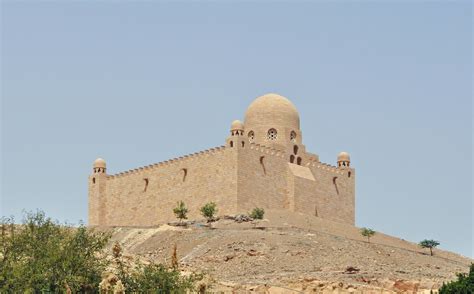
{"x": 272, "y": 134}
{"x": 251, "y": 136}
{"x": 293, "y": 136}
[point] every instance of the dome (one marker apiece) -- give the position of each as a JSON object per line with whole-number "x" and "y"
{"x": 272, "y": 110}
{"x": 237, "y": 125}
{"x": 343, "y": 156}
{"x": 99, "y": 162}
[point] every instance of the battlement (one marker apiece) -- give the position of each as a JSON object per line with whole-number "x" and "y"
{"x": 281, "y": 153}
{"x": 267, "y": 150}
{"x": 176, "y": 160}
{"x": 326, "y": 166}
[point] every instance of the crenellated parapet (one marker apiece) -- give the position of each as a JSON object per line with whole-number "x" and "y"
{"x": 267, "y": 150}
{"x": 173, "y": 161}
{"x": 325, "y": 167}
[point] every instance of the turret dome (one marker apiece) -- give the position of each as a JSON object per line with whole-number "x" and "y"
{"x": 236, "y": 125}
{"x": 99, "y": 162}
{"x": 343, "y": 156}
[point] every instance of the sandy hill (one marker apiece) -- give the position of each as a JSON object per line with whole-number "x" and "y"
{"x": 295, "y": 253}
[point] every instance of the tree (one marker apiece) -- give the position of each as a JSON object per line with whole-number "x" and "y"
{"x": 138, "y": 277}
{"x": 181, "y": 211}
{"x": 429, "y": 244}
{"x": 209, "y": 210}
{"x": 42, "y": 255}
{"x": 257, "y": 213}
{"x": 464, "y": 284}
{"x": 366, "y": 232}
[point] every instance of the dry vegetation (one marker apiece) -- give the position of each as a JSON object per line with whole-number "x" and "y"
{"x": 293, "y": 252}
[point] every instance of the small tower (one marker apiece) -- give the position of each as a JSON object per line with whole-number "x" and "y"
{"x": 97, "y": 188}
{"x": 343, "y": 160}
{"x": 236, "y": 138}
{"x": 99, "y": 166}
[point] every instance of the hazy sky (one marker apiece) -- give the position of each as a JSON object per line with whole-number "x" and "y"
{"x": 140, "y": 82}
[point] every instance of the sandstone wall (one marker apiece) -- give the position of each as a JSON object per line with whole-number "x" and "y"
{"x": 147, "y": 196}
{"x": 335, "y": 192}
{"x": 267, "y": 179}
{"x": 262, "y": 178}
{"x": 237, "y": 178}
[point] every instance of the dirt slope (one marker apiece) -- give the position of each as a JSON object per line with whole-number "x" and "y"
{"x": 291, "y": 253}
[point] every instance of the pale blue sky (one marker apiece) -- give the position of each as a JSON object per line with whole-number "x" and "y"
{"x": 141, "y": 82}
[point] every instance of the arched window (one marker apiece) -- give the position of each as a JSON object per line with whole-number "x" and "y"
{"x": 272, "y": 134}
{"x": 146, "y": 184}
{"x": 295, "y": 149}
{"x": 293, "y": 136}
{"x": 251, "y": 136}
{"x": 231, "y": 143}
{"x": 298, "y": 161}
{"x": 292, "y": 158}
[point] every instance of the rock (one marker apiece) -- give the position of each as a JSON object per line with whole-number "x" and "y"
{"x": 351, "y": 270}
{"x": 401, "y": 285}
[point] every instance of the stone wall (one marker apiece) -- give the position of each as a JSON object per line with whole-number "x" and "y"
{"x": 237, "y": 178}
{"x": 262, "y": 178}
{"x": 335, "y": 192}
{"x": 267, "y": 179}
{"x": 147, "y": 196}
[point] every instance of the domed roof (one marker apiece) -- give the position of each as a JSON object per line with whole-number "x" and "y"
{"x": 99, "y": 162}
{"x": 272, "y": 110}
{"x": 343, "y": 156}
{"x": 237, "y": 125}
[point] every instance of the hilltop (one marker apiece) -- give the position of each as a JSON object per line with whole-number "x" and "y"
{"x": 291, "y": 252}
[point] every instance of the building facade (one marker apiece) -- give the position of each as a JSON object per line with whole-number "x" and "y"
{"x": 263, "y": 164}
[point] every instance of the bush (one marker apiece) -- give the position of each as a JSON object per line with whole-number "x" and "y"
{"x": 464, "y": 284}
{"x": 366, "y": 232}
{"x": 156, "y": 278}
{"x": 181, "y": 211}
{"x": 429, "y": 244}
{"x": 257, "y": 213}
{"x": 44, "y": 256}
{"x": 209, "y": 210}
{"x": 151, "y": 278}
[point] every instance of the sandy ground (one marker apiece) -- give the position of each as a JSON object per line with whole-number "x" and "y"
{"x": 294, "y": 253}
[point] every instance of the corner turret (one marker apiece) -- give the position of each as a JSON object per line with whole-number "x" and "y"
{"x": 343, "y": 160}
{"x": 97, "y": 190}
{"x": 236, "y": 138}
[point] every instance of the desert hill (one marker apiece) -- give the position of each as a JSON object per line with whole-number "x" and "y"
{"x": 292, "y": 253}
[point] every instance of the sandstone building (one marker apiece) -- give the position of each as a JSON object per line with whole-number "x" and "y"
{"x": 263, "y": 164}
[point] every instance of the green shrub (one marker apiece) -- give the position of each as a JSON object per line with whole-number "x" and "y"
{"x": 429, "y": 244}
{"x": 181, "y": 211}
{"x": 156, "y": 278}
{"x": 366, "y": 232}
{"x": 43, "y": 256}
{"x": 152, "y": 278}
{"x": 464, "y": 284}
{"x": 209, "y": 210}
{"x": 257, "y": 213}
